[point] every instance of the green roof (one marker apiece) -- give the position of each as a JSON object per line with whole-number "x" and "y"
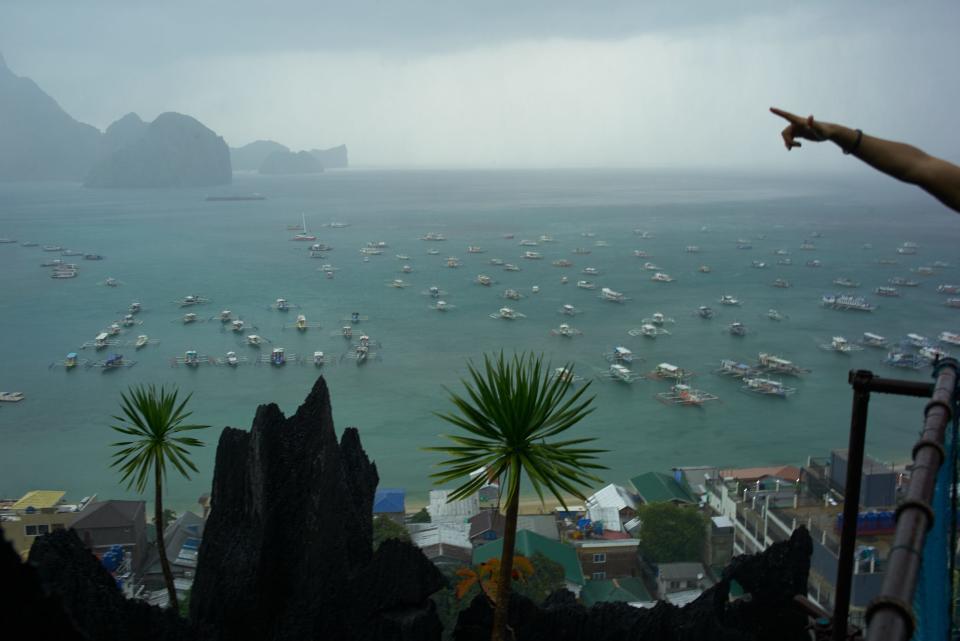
{"x": 529, "y": 543}
{"x": 626, "y": 590}
{"x": 656, "y": 487}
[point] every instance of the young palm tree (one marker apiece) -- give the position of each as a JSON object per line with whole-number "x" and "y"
{"x": 155, "y": 422}
{"x": 511, "y": 410}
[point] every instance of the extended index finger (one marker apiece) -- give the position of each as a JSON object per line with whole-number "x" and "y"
{"x": 786, "y": 115}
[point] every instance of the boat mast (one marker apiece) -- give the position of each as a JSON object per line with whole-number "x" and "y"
{"x": 303, "y": 220}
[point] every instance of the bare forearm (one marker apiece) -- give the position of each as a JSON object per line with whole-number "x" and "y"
{"x": 904, "y": 162}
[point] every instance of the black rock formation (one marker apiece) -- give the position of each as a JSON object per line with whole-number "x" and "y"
{"x": 771, "y": 578}
{"x": 250, "y": 157}
{"x": 288, "y": 162}
{"x": 333, "y": 158}
{"x": 38, "y": 139}
{"x": 173, "y": 151}
{"x": 287, "y": 551}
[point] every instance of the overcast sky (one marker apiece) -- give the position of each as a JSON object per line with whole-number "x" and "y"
{"x": 505, "y": 84}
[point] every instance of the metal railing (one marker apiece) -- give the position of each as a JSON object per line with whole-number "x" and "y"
{"x": 890, "y": 615}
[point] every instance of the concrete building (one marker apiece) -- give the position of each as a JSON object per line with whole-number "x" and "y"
{"x": 182, "y": 539}
{"x": 486, "y": 526}
{"x": 656, "y": 487}
{"x": 391, "y": 503}
{"x": 681, "y": 583}
{"x": 609, "y": 556}
{"x": 107, "y": 523}
{"x": 443, "y": 511}
{"x": 36, "y": 513}
{"x": 613, "y": 505}
{"x": 445, "y": 544}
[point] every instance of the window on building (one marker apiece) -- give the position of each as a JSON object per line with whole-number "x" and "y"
{"x": 43, "y": 529}
{"x": 600, "y": 558}
{"x": 674, "y": 585}
{"x": 599, "y": 575}
{"x": 30, "y": 530}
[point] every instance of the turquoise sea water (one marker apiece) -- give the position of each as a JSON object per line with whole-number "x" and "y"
{"x": 163, "y": 245}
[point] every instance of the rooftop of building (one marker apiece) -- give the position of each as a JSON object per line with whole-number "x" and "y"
{"x": 624, "y": 590}
{"x": 657, "y": 487}
{"x": 530, "y": 543}
{"x": 39, "y": 499}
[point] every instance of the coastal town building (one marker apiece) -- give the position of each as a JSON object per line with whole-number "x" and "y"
{"x": 486, "y": 526}
{"x": 612, "y": 505}
{"x": 622, "y": 590}
{"x": 543, "y": 524}
{"x": 445, "y": 544}
{"x": 443, "y": 511}
{"x": 609, "y": 555}
{"x": 391, "y": 503}
{"x": 530, "y": 543}
{"x": 681, "y": 583}
{"x": 182, "y": 539}
{"x": 105, "y": 524}
{"x": 657, "y": 487}
{"x": 36, "y": 513}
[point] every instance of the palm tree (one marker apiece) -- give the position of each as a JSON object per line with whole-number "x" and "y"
{"x": 510, "y": 410}
{"x": 155, "y": 422}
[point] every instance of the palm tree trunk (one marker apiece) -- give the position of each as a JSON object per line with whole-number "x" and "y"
{"x": 505, "y": 580}
{"x": 161, "y": 547}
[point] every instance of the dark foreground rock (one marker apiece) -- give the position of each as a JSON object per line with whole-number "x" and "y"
{"x": 771, "y": 578}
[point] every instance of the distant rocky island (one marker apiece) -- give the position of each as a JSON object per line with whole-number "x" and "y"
{"x": 269, "y": 157}
{"x": 41, "y": 141}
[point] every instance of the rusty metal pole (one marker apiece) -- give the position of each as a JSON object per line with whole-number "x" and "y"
{"x": 860, "y": 380}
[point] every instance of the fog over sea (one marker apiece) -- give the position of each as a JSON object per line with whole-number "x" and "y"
{"x": 163, "y": 245}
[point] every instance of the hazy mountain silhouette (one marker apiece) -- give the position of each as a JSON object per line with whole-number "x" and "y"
{"x": 250, "y": 157}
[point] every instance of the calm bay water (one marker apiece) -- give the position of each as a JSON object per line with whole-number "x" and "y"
{"x": 163, "y": 245}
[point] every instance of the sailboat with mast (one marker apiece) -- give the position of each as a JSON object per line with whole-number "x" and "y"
{"x": 304, "y": 234}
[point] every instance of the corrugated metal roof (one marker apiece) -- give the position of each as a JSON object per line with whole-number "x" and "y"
{"x": 442, "y": 511}
{"x": 656, "y": 487}
{"x": 529, "y": 543}
{"x": 39, "y": 499}
{"x": 626, "y": 590}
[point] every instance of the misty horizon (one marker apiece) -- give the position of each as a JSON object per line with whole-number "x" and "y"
{"x": 533, "y": 87}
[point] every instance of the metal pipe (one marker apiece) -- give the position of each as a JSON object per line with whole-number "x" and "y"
{"x": 851, "y": 501}
{"x": 890, "y": 615}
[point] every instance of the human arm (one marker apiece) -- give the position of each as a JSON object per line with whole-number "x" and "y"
{"x": 939, "y": 178}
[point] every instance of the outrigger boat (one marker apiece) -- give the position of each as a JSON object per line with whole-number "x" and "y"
{"x": 845, "y": 282}
{"x": 225, "y": 316}
{"x": 668, "y": 371}
{"x": 639, "y": 253}
{"x": 546, "y": 238}
{"x": 565, "y": 331}
{"x": 319, "y": 360}
{"x": 774, "y": 315}
{"x": 496, "y": 261}
{"x": 727, "y": 299}
{"x": 704, "y": 269}
{"x": 563, "y": 262}
{"x": 406, "y": 269}
{"x": 892, "y": 292}
{"x": 512, "y": 294}
{"x": 483, "y": 279}
{"x": 651, "y": 267}
{"x": 949, "y": 337}
{"x": 510, "y": 267}
{"x": 566, "y": 375}
{"x": 568, "y": 310}
{"x": 442, "y": 306}
{"x": 114, "y": 361}
{"x": 142, "y": 341}
{"x": 189, "y": 318}
{"x": 841, "y": 345}
{"x": 781, "y": 283}
{"x": 433, "y": 252}
{"x": 528, "y": 243}
{"x": 191, "y": 358}
{"x": 767, "y": 387}
{"x": 346, "y": 331}
{"x": 187, "y": 301}
{"x": 661, "y": 277}
{"x": 758, "y": 264}
{"x": 844, "y": 302}
{"x": 585, "y": 284}
{"x": 101, "y": 341}
{"x": 932, "y": 353}
{"x": 237, "y": 326}
{"x": 619, "y": 354}
{"x": 948, "y": 289}
{"x": 302, "y": 325}
{"x": 473, "y": 249}
{"x": 612, "y": 296}
{"x": 453, "y": 262}
{"x": 683, "y": 394}
{"x": 433, "y": 236}
{"x": 278, "y": 357}
{"x": 590, "y": 271}
{"x": 135, "y": 308}
{"x": 619, "y": 373}
{"x": 507, "y": 313}
{"x": 63, "y": 273}
{"x": 128, "y": 320}
{"x": 649, "y": 330}
{"x": 582, "y": 251}
{"x": 70, "y": 361}
{"x": 11, "y": 397}
{"x": 233, "y": 360}
{"x": 734, "y": 369}
{"x": 535, "y": 289}
{"x": 873, "y": 340}
{"x": 532, "y": 255}
{"x": 658, "y": 319}
{"x": 281, "y": 305}
{"x": 905, "y": 360}
{"x": 953, "y": 302}
{"x": 398, "y": 283}
{"x": 770, "y": 363}
{"x": 903, "y": 282}
{"x": 113, "y": 329}
{"x": 692, "y": 249}
{"x": 704, "y": 312}
{"x": 916, "y": 340}
{"x": 434, "y": 292}
{"x": 813, "y": 263}
{"x": 254, "y": 340}
{"x": 361, "y": 352}
{"x": 355, "y": 317}
{"x": 736, "y": 328}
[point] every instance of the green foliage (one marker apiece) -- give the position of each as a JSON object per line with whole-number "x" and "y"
{"x": 169, "y": 516}
{"x": 421, "y": 517}
{"x": 670, "y": 533}
{"x": 547, "y": 577}
{"x": 185, "y": 605}
{"x": 155, "y": 423}
{"x": 386, "y": 528}
{"x": 510, "y": 410}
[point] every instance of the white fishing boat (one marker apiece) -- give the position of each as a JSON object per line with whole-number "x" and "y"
{"x": 651, "y": 267}
{"x": 873, "y": 340}
{"x": 737, "y": 328}
{"x": 101, "y": 340}
{"x": 704, "y": 269}
{"x": 844, "y": 302}
{"x": 565, "y": 331}
{"x": 546, "y": 238}
{"x": 692, "y": 249}
{"x": 758, "y": 264}
{"x": 135, "y": 308}
{"x": 781, "y": 283}
{"x": 612, "y": 296}
{"x": 483, "y": 279}
{"x": 727, "y": 299}
{"x": 187, "y": 301}
{"x": 704, "y": 312}
{"x": 916, "y": 340}
{"x": 590, "y": 271}
{"x": 128, "y": 320}
{"x": 568, "y": 310}
{"x": 226, "y": 316}
{"x": 807, "y": 246}
{"x": 586, "y": 284}
{"x": 535, "y": 289}
{"x": 528, "y": 243}
{"x": 406, "y": 269}
{"x": 683, "y": 394}
{"x": 453, "y": 262}
{"x": 905, "y": 360}
{"x": 232, "y": 359}
{"x": 512, "y": 294}
{"x": 619, "y": 354}
{"x": 370, "y": 251}
{"x": 949, "y": 337}
{"x": 63, "y": 273}
{"x": 639, "y": 253}
{"x": 254, "y": 341}
{"x": 442, "y": 306}
{"x": 840, "y": 345}
{"x": 473, "y": 249}
{"x": 658, "y": 319}
{"x": 433, "y": 236}
{"x": 398, "y": 283}
{"x": 507, "y": 313}
{"x": 661, "y": 277}
{"x": 434, "y": 292}
{"x": 532, "y": 255}
{"x": 648, "y": 330}
{"x": 319, "y": 360}
{"x": 734, "y": 369}
{"x": 891, "y": 292}
{"x": 346, "y": 331}
{"x": 932, "y": 353}
{"x": 907, "y": 249}
{"x": 433, "y": 252}
{"x": 566, "y": 375}
{"x": 189, "y": 318}
{"x": 563, "y": 262}
{"x": 775, "y": 315}
{"x": 113, "y": 329}
{"x": 301, "y": 323}
{"x": 767, "y": 387}
{"x": 237, "y": 325}
{"x": 142, "y": 341}
{"x": 771, "y": 363}
{"x": 509, "y": 267}
{"x": 496, "y": 261}
{"x": 621, "y": 373}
